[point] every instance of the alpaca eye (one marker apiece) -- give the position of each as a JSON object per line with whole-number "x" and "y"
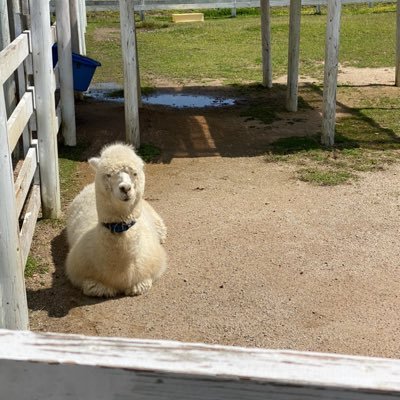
{"x": 108, "y": 175}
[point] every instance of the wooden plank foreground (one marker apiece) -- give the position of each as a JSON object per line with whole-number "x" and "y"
{"x": 54, "y": 366}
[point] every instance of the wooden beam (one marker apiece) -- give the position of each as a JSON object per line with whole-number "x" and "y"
{"x": 64, "y": 49}
{"x": 12, "y": 56}
{"x": 128, "y": 44}
{"x": 24, "y": 179}
{"x": 60, "y": 366}
{"x": 45, "y": 108}
{"x": 293, "y": 55}
{"x": 19, "y": 119}
{"x": 13, "y": 304}
{"x": 29, "y": 222}
{"x": 330, "y": 73}
{"x": 266, "y": 43}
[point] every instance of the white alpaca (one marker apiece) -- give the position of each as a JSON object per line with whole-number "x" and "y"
{"x": 114, "y": 235}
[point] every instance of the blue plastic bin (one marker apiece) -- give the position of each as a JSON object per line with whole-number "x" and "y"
{"x": 83, "y": 69}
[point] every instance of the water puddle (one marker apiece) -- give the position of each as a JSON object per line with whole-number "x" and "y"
{"x": 176, "y": 100}
{"x": 186, "y": 100}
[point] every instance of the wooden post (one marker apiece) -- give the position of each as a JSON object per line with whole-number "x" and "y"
{"x": 293, "y": 55}
{"x": 330, "y": 74}
{"x": 13, "y": 304}
{"x": 266, "y": 43}
{"x": 128, "y": 44}
{"x": 66, "y": 75}
{"x": 74, "y": 20}
{"x": 45, "y": 108}
{"x": 82, "y": 27}
{"x": 397, "y": 78}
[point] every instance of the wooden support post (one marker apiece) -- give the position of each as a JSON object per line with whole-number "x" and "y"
{"x": 66, "y": 75}
{"x": 45, "y": 108}
{"x": 397, "y": 78}
{"x": 128, "y": 44}
{"x": 74, "y": 20}
{"x": 82, "y": 26}
{"x": 293, "y": 55}
{"x": 331, "y": 71}
{"x": 266, "y": 43}
{"x": 13, "y": 304}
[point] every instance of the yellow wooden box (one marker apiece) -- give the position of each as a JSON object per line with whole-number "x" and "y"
{"x": 188, "y": 17}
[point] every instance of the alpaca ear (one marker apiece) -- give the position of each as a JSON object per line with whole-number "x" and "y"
{"x": 94, "y": 162}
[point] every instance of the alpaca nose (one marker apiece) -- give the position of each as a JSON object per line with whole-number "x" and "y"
{"x": 125, "y": 187}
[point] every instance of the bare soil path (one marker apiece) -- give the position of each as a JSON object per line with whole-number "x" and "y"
{"x": 256, "y": 258}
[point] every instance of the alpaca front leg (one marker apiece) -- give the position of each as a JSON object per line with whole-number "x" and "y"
{"x": 140, "y": 288}
{"x": 97, "y": 289}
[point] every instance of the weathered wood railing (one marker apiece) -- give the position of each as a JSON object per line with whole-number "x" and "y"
{"x": 24, "y": 186}
{"x": 51, "y": 366}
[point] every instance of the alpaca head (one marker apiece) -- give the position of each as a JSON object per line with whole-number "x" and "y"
{"x": 119, "y": 177}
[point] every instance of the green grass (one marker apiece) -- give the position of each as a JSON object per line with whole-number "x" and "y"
{"x": 367, "y": 140}
{"x": 34, "y": 266}
{"x": 228, "y": 49}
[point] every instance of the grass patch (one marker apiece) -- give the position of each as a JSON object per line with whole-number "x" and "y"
{"x": 68, "y": 164}
{"x": 34, "y": 266}
{"x": 228, "y": 49}
{"x": 149, "y": 153}
{"x": 329, "y": 177}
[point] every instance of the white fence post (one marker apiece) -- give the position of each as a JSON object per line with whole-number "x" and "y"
{"x": 331, "y": 71}
{"x": 266, "y": 42}
{"x": 45, "y": 108}
{"x": 128, "y": 44}
{"x": 397, "y": 78}
{"x": 66, "y": 75}
{"x": 74, "y": 20}
{"x": 293, "y": 55}
{"x": 13, "y": 304}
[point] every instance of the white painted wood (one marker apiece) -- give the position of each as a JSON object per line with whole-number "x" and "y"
{"x": 397, "y": 72}
{"x": 21, "y": 78}
{"x": 74, "y": 20}
{"x": 53, "y": 34}
{"x": 24, "y": 178}
{"x": 68, "y": 127}
{"x": 293, "y": 55}
{"x": 19, "y": 119}
{"x": 59, "y": 117}
{"x": 13, "y": 304}
{"x": 82, "y": 26}
{"x": 112, "y": 5}
{"x": 330, "y": 72}
{"x": 266, "y": 43}
{"x": 128, "y": 45}
{"x": 12, "y": 56}
{"x": 29, "y": 222}
{"x": 54, "y": 366}
{"x": 45, "y": 108}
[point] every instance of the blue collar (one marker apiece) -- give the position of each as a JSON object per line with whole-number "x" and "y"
{"x": 119, "y": 227}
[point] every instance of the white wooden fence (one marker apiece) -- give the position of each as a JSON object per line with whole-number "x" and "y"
{"x": 61, "y": 367}
{"x": 148, "y": 5}
{"x": 31, "y": 181}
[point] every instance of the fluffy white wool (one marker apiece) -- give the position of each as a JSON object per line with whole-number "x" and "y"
{"x": 103, "y": 263}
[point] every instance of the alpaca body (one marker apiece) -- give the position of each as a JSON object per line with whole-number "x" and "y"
{"x": 104, "y": 263}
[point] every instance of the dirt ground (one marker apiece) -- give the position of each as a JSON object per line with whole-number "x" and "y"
{"x": 256, "y": 258}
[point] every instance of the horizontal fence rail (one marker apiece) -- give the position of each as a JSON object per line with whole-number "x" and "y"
{"x": 148, "y": 5}
{"x": 62, "y": 367}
